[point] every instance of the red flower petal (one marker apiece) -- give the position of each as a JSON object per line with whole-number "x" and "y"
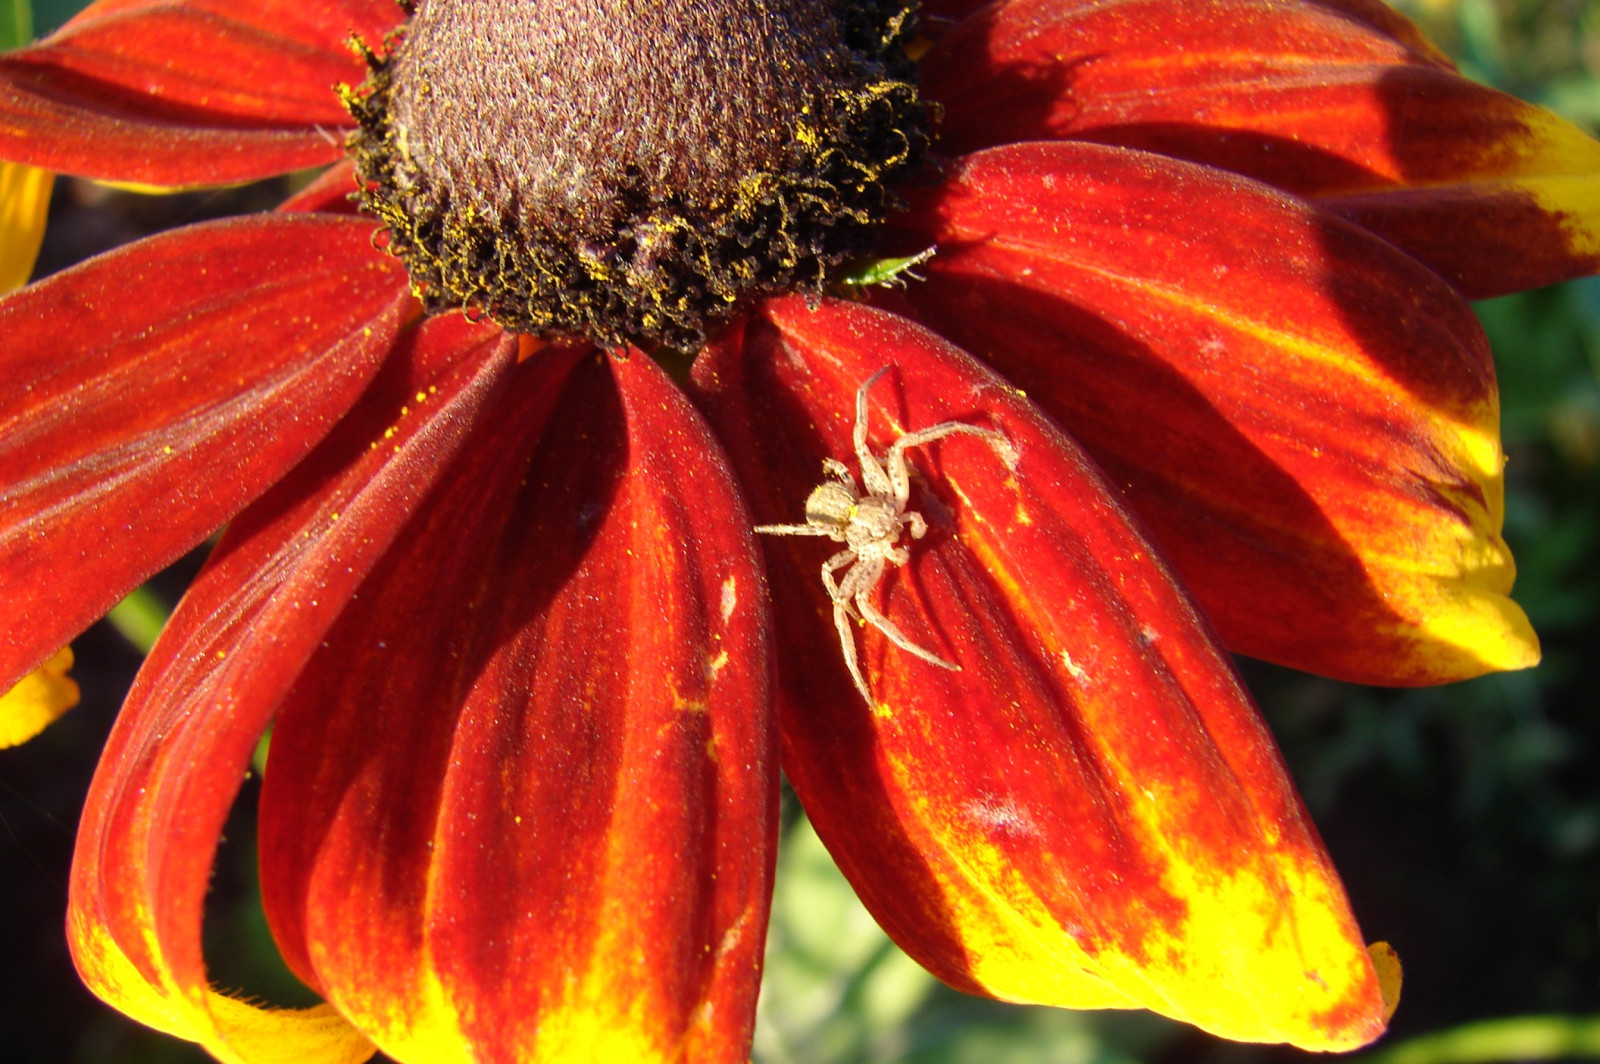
{"x": 227, "y": 658}
{"x": 154, "y": 391}
{"x": 1495, "y": 194}
{"x": 1090, "y": 812}
{"x": 187, "y": 93}
{"x": 1389, "y": 22}
{"x": 332, "y": 192}
{"x": 1247, "y": 84}
{"x": 1306, "y": 418}
{"x": 522, "y": 806}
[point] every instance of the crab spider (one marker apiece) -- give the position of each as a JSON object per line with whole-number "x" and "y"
{"x": 869, "y": 521}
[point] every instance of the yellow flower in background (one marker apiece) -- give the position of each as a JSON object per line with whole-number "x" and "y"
{"x": 46, "y": 693}
{"x": 24, "y": 190}
{"x": 24, "y": 201}
{"x": 40, "y": 697}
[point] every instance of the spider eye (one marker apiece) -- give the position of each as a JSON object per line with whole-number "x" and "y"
{"x": 830, "y": 504}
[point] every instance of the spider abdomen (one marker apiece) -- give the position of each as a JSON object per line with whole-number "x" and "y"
{"x": 832, "y": 505}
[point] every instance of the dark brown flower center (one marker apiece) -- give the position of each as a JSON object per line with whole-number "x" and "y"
{"x": 628, "y": 170}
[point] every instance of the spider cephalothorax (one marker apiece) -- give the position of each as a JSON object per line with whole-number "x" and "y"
{"x": 869, "y": 521}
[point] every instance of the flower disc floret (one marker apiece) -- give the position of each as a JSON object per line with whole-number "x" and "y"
{"x": 628, "y": 172}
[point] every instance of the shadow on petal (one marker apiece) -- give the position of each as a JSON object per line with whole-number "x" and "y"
{"x": 523, "y": 803}
{"x": 232, "y": 650}
{"x": 1089, "y": 812}
{"x": 1336, "y": 102}
{"x": 1307, "y": 419}
{"x": 157, "y": 390}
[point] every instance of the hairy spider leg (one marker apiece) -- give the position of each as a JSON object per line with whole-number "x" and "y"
{"x": 835, "y": 468}
{"x": 861, "y": 579}
{"x": 873, "y": 476}
{"x": 847, "y": 644}
{"x": 847, "y": 639}
{"x": 891, "y": 476}
{"x": 894, "y": 460}
{"x": 858, "y": 584}
{"x": 839, "y": 561}
{"x": 795, "y": 530}
{"x": 896, "y": 636}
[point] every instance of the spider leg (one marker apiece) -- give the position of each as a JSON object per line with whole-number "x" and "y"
{"x": 860, "y": 434}
{"x": 841, "y": 598}
{"x": 794, "y": 530}
{"x": 863, "y": 578}
{"x": 919, "y": 526}
{"x": 873, "y": 477}
{"x": 897, "y": 637}
{"x": 841, "y": 472}
{"x": 847, "y": 643}
{"x": 894, "y": 460}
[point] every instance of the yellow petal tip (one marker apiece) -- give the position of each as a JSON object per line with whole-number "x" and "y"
{"x": 1477, "y": 633}
{"x": 37, "y": 700}
{"x": 24, "y": 202}
{"x": 1386, "y": 963}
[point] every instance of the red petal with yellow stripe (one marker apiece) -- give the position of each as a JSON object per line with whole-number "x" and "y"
{"x": 1089, "y": 813}
{"x": 1495, "y": 194}
{"x": 224, "y": 663}
{"x": 194, "y": 92}
{"x": 132, "y": 427}
{"x": 1306, "y": 418}
{"x": 522, "y": 806}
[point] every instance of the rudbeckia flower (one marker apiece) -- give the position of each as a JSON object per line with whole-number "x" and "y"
{"x": 491, "y": 453}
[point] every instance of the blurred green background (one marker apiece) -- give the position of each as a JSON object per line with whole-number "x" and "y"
{"x": 1465, "y": 820}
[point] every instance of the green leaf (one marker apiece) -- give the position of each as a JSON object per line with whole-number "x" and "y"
{"x": 1516, "y": 1038}
{"x": 16, "y": 23}
{"x": 140, "y": 617}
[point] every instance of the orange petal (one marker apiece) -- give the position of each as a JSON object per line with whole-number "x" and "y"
{"x": 332, "y": 192}
{"x": 187, "y": 92}
{"x": 1306, "y": 418}
{"x": 1493, "y": 193}
{"x": 1496, "y": 195}
{"x": 522, "y": 807}
{"x": 1089, "y": 813}
{"x": 1283, "y": 91}
{"x": 230, "y": 653}
{"x": 154, "y": 391}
